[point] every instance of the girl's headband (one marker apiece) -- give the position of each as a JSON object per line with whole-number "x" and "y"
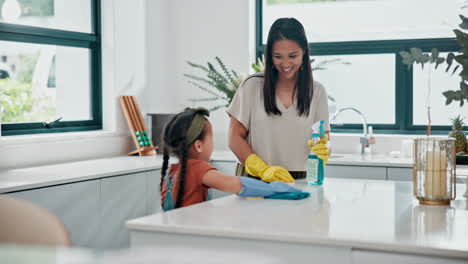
{"x": 197, "y": 125}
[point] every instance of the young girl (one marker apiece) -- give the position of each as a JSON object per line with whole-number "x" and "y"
{"x": 189, "y": 136}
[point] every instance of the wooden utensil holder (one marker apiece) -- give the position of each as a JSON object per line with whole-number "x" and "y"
{"x": 137, "y": 127}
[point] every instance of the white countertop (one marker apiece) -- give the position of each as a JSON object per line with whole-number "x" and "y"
{"x": 35, "y": 177}
{"x": 41, "y": 176}
{"x": 361, "y": 214}
{"x": 379, "y": 160}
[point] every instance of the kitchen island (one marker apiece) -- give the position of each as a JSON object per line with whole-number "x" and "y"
{"x": 343, "y": 221}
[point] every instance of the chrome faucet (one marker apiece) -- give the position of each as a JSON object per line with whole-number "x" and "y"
{"x": 364, "y": 139}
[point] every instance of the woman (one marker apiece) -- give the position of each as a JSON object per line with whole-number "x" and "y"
{"x": 272, "y": 112}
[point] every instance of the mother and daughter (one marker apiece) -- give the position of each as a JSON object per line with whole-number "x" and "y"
{"x": 270, "y": 119}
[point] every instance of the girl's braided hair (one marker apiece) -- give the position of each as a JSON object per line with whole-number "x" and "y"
{"x": 174, "y": 142}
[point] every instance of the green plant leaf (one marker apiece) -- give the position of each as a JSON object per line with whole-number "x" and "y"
{"x": 416, "y": 53}
{"x": 318, "y": 68}
{"x": 434, "y": 53}
{"x": 204, "y": 88}
{"x": 450, "y": 96}
{"x": 461, "y": 37}
{"x": 464, "y": 23}
{"x": 217, "y": 107}
{"x": 198, "y": 66}
{"x": 455, "y": 69}
{"x": 206, "y": 99}
{"x": 439, "y": 61}
{"x": 255, "y": 68}
{"x": 449, "y": 60}
{"x": 407, "y": 58}
{"x": 464, "y": 75}
{"x": 464, "y": 89}
{"x": 225, "y": 70}
{"x": 199, "y": 79}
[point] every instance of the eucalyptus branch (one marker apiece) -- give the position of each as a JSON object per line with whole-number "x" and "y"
{"x": 199, "y": 79}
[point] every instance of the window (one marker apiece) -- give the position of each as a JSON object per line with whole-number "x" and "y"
{"x": 367, "y": 36}
{"x": 50, "y": 66}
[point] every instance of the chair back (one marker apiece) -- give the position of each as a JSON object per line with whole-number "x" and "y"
{"x": 22, "y": 222}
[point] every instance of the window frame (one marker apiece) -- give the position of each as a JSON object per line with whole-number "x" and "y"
{"x": 91, "y": 41}
{"x": 403, "y": 77}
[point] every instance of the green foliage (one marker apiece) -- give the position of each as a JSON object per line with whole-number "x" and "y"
{"x": 415, "y": 55}
{"x": 35, "y": 7}
{"x": 19, "y": 105}
{"x": 224, "y": 81}
{"x": 28, "y": 64}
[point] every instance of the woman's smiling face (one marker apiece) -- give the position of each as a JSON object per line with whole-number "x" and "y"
{"x": 287, "y": 58}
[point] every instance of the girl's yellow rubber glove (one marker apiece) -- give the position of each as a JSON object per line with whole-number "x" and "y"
{"x": 255, "y": 166}
{"x": 320, "y": 149}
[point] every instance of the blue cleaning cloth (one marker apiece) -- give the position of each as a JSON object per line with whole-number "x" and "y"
{"x": 256, "y": 188}
{"x": 289, "y": 196}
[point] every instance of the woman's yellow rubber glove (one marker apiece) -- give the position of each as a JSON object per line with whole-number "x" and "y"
{"x": 255, "y": 166}
{"x": 320, "y": 149}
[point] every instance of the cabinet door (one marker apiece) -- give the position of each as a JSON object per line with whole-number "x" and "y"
{"x": 153, "y": 194}
{"x": 76, "y": 204}
{"x": 400, "y": 174}
{"x": 356, "y": 172}
{"x": 122, "y": 198}
{"x": 370, "y": 257}
{"x": 226, "y": 167}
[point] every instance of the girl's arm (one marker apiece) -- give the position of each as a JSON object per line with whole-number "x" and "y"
{"x": 237, "y": 140}
{"x": 217, "y": 180}
{"x": 247, "y": 187}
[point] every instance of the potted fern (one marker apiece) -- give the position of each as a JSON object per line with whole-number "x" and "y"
{"x": 224, "y": 81}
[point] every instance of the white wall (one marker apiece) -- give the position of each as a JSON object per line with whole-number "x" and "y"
{"x": 145, "y": 44}
{"x": 197, "y": 31}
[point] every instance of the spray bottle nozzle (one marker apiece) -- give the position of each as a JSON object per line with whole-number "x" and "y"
{"x": 317, "y": 128}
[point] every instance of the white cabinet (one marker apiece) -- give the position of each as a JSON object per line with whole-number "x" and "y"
{"x": 356, "y": 172}
{"x": 95, "y": 211}
{"x": 122, "y": 198}
{"x": 371, "y": 257}
{"x": 226, "y": 167}
{"x": 77, "y": 205}
{"x": 400, "y": 174}
{"x": 153, "y": 194}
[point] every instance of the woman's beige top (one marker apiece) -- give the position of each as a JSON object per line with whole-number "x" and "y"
{"x": 278, "y": 140}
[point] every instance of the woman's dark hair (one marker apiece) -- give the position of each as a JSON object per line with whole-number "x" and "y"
{"x": 288, "y": 29}
{"x": 174, "y": 142}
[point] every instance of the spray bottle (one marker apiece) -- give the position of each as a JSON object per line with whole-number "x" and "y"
{"x": 315, "y": 173}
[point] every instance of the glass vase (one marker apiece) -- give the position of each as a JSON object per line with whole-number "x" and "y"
{"x": 434, "y": 170}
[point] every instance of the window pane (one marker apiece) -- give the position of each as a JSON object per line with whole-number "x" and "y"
{"x": 365, "y": 82}
{"x": 440, "y": 81}
{"x": 44, "y": 82}
{"x": 354, "y": 20}
{"x": 73, "y": 15}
